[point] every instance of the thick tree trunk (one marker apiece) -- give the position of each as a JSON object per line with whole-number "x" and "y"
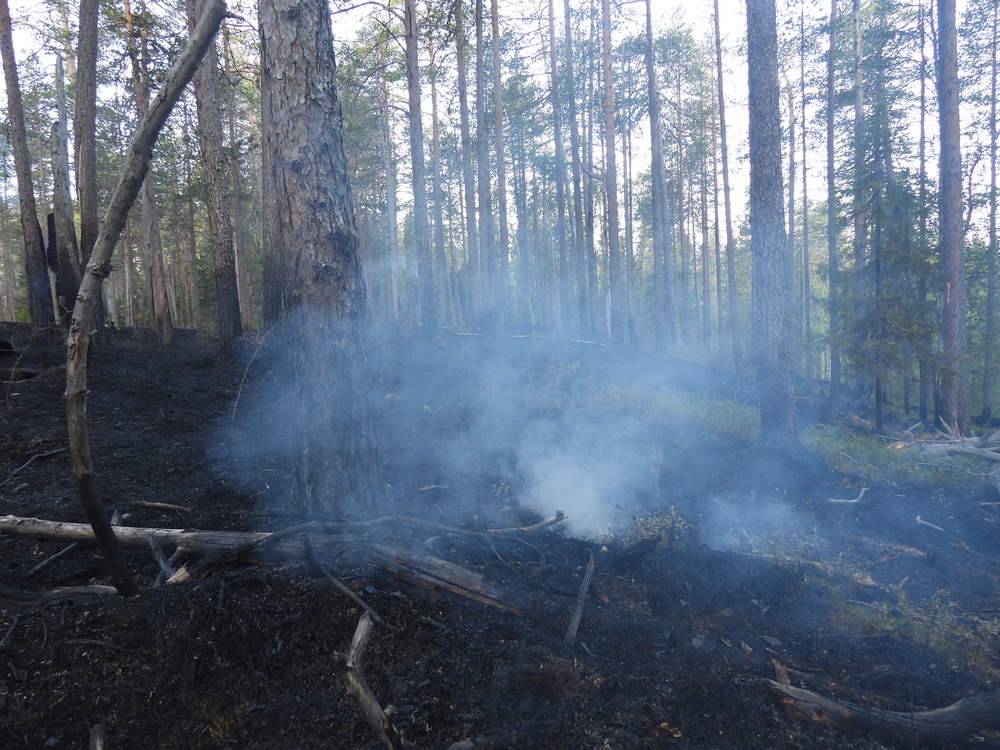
{"x": 227, "y": 294}
{"x": 768, "y": 246}
{"x": 36, "y": 271}
{"x": 955, "y": 378}
{"x": 309, "y": 194}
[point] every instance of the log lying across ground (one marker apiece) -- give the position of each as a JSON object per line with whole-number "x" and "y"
{"x": 974, "y": 720}
{"x": 412, "y": 565}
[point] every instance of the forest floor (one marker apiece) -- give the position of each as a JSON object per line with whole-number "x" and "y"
{"x": 713, "y": 564}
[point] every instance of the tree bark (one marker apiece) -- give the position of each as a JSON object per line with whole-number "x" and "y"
{"x": 658, "y": 190}
{"x": 563, "y": 263}
{"x": 236, "y": 176}
{"x": 421, "y": 232}
{"x": 955, "y": 378}
{"x": 67, "y": 255}
{"x": 227, "y": 294}
{"x": 85, "y": 126}
{"x": 617, "y": 316}
{"x": 486, "y": 239}
{"x": 468, "y": 178}
{"x": 36, "y": 271}
{"x": 833, "y": 256}
{"x": 502, "y": 283}
{"x": 768, "y": 246}
{"x": 157, "y": 272}
{"x": 309, "y": 194}
{"x": 578, "y": 233}
{"x": 991, "y": 281}
{"x": 133, "y": 171}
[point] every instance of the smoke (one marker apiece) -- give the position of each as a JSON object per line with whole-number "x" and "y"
{"x": 505, "y": 431}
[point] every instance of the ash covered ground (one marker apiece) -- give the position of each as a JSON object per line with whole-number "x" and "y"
{"x": 712, "y": 564}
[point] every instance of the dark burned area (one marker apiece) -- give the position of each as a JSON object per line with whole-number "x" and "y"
{"x": 721, "y": 572}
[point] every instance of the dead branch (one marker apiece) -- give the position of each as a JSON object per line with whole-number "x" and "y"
{"x": 962, "y": 721}
{"x": 422, "y": 569}
{"x": 943, "y": 448}
{"x": 97, "y": 736}
{"x": 357, "y": 687}
{"x": 161, "y": 559}
{"x": 320, "y": 569}
{"x": 581, "y": 597}
{"x": 27, "y": 463}
{"x": 13, "y": 625}
{"x": 40, "y": 598}
{"x": 51, "y": 559}
{"x": 134, "y": 170}
{"x": 158, "y": 506}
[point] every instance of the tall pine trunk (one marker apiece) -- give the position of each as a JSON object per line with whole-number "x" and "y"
{"x": 615, "y": 302}
{"x": 832, "y": 233}
{"x": 955, "y": 379}
{"x": 157, "y": 273}
{"x": 227, "y": 294}
{"x": 768, "y": 245}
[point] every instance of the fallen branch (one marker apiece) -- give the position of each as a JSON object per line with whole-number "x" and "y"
{"x": 581, "y": 597}
{"x": 245, "y": 547}
{"x": 158, "y": 506}
{"x": 49, "y": 560}
{"x": 39, "y": 598}
{"x": 27, "y": 463}
{"x": 962, "y": 721}
{"x": 357, "y": 687}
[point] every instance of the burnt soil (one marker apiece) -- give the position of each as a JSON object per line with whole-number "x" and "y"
{"x": 721, "y": 563}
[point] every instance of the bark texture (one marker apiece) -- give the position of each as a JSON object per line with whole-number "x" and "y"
{"x": 307, "y": 194}
{"x": 768, "y": 246}
{"x": 36, "y": 271}
{"x": 227, "y": 294}
{"x": 955, "y": 378}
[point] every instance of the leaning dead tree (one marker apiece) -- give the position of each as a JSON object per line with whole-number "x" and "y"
{"x": 133, "y": 172}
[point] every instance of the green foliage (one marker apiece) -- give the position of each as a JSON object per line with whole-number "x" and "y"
{"x": 724, "y": 418}
{"x": 861, "y": 454}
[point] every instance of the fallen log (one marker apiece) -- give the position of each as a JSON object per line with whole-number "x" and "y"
{"x": 974, "y": 720}
{"x": 412, "y": 565}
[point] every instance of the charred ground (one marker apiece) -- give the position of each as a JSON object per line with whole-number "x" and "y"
{"x": 719, "y": 565}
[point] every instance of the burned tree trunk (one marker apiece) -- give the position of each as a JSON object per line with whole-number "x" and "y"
{"x": 307, "y": 195}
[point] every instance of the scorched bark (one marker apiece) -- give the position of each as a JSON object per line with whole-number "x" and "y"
{"x": 307, "y": 197}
